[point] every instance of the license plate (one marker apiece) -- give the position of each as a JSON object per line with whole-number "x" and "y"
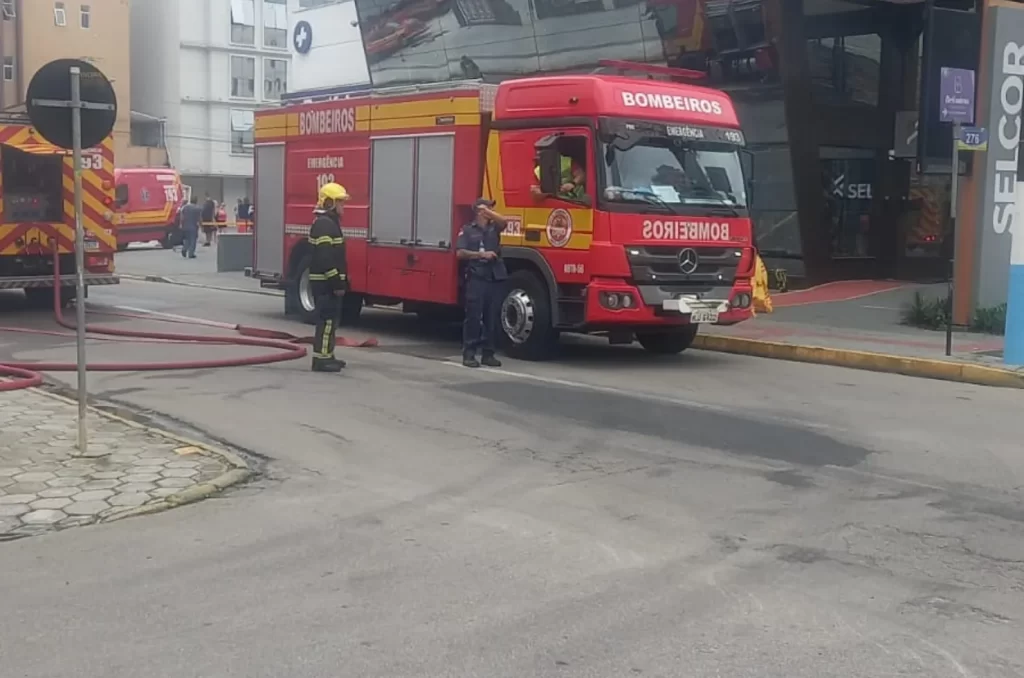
{"x": 704, "y": 316}
{"x": 91, "y": 245}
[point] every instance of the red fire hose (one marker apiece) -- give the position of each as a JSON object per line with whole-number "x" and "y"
{"x": 286, "y": 346}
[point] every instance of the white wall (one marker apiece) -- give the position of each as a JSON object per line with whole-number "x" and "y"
{"x": 336, "y": 57}
{"x": 181, "y": 61}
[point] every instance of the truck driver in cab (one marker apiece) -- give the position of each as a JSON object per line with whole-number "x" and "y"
{"x": 573, "y": 180}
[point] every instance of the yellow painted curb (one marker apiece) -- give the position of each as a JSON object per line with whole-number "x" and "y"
{"x": 925, "y": 368}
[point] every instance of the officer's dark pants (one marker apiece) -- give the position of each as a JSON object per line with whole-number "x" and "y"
{"x": 328, "y": 308}
{"x": 480, "y": 328}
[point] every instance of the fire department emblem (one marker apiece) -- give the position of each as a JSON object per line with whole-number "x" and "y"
{"x": 559, "y": 228}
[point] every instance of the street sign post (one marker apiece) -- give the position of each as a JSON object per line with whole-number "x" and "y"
{"x": 73, "y": 106}
{"x": 956, "y": 105}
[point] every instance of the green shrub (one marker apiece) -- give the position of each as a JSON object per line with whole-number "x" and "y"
{"x": 930, "y": 314}
{"x": 991, "y": 320}
{"x": 926, "y": 313}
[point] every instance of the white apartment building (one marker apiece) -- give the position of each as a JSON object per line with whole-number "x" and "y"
{"x": 203, "y": 67}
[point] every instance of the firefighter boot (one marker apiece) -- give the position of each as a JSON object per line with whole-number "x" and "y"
{"x": 489, "y": 360}
{"x": 469, "y": 360}
{"x": 328, "y": 365}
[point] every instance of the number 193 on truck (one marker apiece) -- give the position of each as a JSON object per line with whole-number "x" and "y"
{"x": 653, "y": 239}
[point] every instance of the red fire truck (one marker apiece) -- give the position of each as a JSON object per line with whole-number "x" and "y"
{"x": 147, "y": 202}
{"x": 37, "y": 215}
{"x": 659, "y": 243}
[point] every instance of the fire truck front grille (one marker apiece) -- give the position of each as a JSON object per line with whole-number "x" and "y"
{"x": 701, "y": 267}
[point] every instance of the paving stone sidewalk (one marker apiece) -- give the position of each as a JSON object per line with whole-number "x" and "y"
{"x": 44, "y": 487}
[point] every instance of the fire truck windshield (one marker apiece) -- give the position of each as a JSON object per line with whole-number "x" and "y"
{"x": 672, "y": 168}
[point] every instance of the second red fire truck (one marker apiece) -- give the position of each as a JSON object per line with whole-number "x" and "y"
{"x": 658, "y": 243}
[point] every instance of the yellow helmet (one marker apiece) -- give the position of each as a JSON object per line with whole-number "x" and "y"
{"x": 331, "y": 192}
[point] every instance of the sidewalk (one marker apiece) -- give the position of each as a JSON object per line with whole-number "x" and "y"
{"x": 857, "y": 324}
{"x": 160, "y": 265}
{"x": 43, "y": 487}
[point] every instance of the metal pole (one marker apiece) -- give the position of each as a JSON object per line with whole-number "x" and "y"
{"x": 954, "y": 175}
{"x": 76, "y": 137}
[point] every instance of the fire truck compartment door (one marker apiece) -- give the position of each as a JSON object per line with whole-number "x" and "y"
{"x": 435, "y": 158}
{"x": 391, "y": 198}
{"x": 270, "y": 227}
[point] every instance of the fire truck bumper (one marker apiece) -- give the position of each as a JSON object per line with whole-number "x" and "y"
{"x": 91, "y": 279}
{"x": 623, "y": 305}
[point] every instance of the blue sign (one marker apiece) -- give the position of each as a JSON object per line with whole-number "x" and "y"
{"x": 302, "y": 37}
{"x": 956, "y": 95}
{"x": 973, "y": 139}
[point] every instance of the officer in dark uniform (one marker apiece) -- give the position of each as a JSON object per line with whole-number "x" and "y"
{"x": 328, "y": 273}
{"x": 479, "y": 249}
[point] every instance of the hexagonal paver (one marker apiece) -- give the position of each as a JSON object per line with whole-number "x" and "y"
{"x": 42, "y": 517}
{"x": 162, "y": 492}
{"x": 6, "y": 481}
{"x": 182, "y": 464}
{"x": 11, "y": 471}
{"x": 72, "y": 472}
{"x": 129, "y": 500}
{"x": 100, "y": 485}
{"x": 93, "y": 495}
{"x": 26, "y": 488}
{"x": 34, "y": 477}
{"x": 12, "y": 510}
{"x": 141, "y": 478}
{"x": 182, "y": 472}
{"x": 108, "y": 475}
{"x": 74, "y": 481}
{"x": 130, "y": 488}
{"x": 56, "y": 503}
{"x": 16, "y": 498}
{"x": 55, "y": 492}
{"x": 176, "y": 482}
{"x": 86, "y": 508}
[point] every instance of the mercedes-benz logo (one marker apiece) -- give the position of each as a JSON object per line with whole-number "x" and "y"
{"x": 688, "y": 261}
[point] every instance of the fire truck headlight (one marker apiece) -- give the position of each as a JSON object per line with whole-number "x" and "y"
{"x": 741, "y": 300}
{"x": 617, "y": 300}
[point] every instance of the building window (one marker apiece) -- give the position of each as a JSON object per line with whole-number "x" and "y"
{"x": 243, "y": 22}
{"x": 243, "y": 77}
{"x": 275, "y": 24}
{"x": 306, "y": 4}
{"x": 8, "y": 68}
{"x": 8, "y": 8}
{"x": 86, "y": 17}
{"x": 275, "y": 78}
{"x": 242, "y": 123}
{"x": 60, "y": 15}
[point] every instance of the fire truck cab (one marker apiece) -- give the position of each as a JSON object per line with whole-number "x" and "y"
{"x": 655, "y": 240}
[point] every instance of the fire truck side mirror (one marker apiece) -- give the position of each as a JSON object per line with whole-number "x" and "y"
{"x": 747, "y": 163}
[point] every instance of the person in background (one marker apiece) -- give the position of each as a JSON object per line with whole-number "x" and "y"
{"x": 479, "y": 249}
{"x": 238, "y": 211}
{"x": 209, "y": 223}
{"x": 191, "y": 221}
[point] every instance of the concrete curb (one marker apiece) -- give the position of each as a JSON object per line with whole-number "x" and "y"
{"x": 202, "y": 286}
{"x": 238, "y": 473}
{"x": 925, "y": 368}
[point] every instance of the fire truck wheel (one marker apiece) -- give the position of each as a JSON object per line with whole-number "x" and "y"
{"x": 299, "y": 294}
{"x": 668, "y": 343}
{"x": 526, "y": 328}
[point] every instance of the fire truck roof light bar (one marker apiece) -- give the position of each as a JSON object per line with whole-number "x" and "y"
{"x": 625, "y": 67}
{"x": 487, "y": 92}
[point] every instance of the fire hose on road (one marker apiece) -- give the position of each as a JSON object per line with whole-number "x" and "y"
{"x": 286, "y": 346}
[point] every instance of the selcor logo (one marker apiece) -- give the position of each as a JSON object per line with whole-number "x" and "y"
{"x": 684, "y": 230}
{"x": 338, "y": 120}
{"x": 671, "y": 102}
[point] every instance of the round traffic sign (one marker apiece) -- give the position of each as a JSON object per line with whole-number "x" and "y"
{"x": 51, "y": 85}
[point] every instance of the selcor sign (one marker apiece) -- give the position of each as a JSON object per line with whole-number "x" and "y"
{"x": 1011, "y": 97}
{"x": 671, "y": 102}
{"x": 684, "y": 230}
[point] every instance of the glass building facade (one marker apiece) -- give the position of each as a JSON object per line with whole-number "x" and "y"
{"x": 817, "y": 84}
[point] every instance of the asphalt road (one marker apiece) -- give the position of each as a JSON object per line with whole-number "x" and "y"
{"x": 608, "y": 515}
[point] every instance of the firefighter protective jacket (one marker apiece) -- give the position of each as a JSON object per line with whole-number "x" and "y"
{"x": 328, "y": 271}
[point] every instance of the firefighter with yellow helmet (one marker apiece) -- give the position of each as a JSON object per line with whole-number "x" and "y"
{"x": 328, "y": 274}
